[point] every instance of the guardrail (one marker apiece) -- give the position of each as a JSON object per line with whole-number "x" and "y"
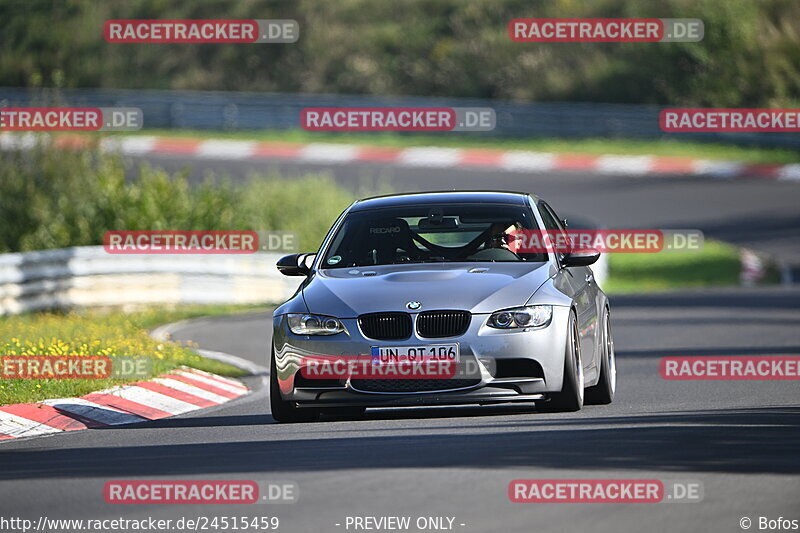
{"x": 88, "y": 276}
{"x": 253, "y": 111}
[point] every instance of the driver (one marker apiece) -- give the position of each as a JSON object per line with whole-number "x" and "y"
{"x": 501, "y": 234}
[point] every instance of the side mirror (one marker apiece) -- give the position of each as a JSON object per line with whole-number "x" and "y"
{"x": 564, "y": 222}
{"x": 581, "y": 258}
{"x": 296, "y": 264}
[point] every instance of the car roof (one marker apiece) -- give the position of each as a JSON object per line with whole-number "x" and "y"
{"x": 442, "y": 197}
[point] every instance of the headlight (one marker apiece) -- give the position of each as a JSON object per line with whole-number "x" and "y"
{"x": 314, "y": 325}
{"x": 532, "y": 316}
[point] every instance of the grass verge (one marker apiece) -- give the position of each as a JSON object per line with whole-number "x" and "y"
{"x": 108, "y": 333}
{"x": 599, "y": 146}
{"x": 717, "y": 265}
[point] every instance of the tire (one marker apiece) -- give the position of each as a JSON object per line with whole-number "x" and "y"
{"x": 603, "y": 392}
{"x": 570, "y": 398}
{"x": 285, "y": 410}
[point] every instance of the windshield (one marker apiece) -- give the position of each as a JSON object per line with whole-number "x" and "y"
{"x": 422, "y": 234}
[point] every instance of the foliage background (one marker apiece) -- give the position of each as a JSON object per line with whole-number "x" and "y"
{"x": 750, "y": 56}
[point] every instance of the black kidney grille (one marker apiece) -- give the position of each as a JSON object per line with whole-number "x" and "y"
{"x": 386, "y": 326}
{"x": 437, "y": 324}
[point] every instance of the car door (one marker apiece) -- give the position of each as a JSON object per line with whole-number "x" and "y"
{"x": 581, "y": 281}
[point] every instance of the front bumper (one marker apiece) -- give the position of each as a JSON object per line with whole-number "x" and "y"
{"x": 488, "y": 350}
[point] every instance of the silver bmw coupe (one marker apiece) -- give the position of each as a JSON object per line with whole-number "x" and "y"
{"x": 428, "y": 280}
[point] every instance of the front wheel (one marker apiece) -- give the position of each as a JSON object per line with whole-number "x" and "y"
{"x": 603, "y": 392}
{"x": 285, "y": 410}
{"x": 570, "y": 398}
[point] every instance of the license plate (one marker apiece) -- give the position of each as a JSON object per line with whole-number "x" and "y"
{"x": 415, "y": 354}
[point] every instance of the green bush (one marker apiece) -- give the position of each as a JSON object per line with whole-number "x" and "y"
{"x": 59, "y": 198}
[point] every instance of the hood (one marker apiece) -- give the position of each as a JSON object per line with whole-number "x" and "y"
{"x": 475, "y": 287}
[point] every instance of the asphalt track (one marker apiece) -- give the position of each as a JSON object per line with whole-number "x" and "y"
{"x": 739, "y": 439}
